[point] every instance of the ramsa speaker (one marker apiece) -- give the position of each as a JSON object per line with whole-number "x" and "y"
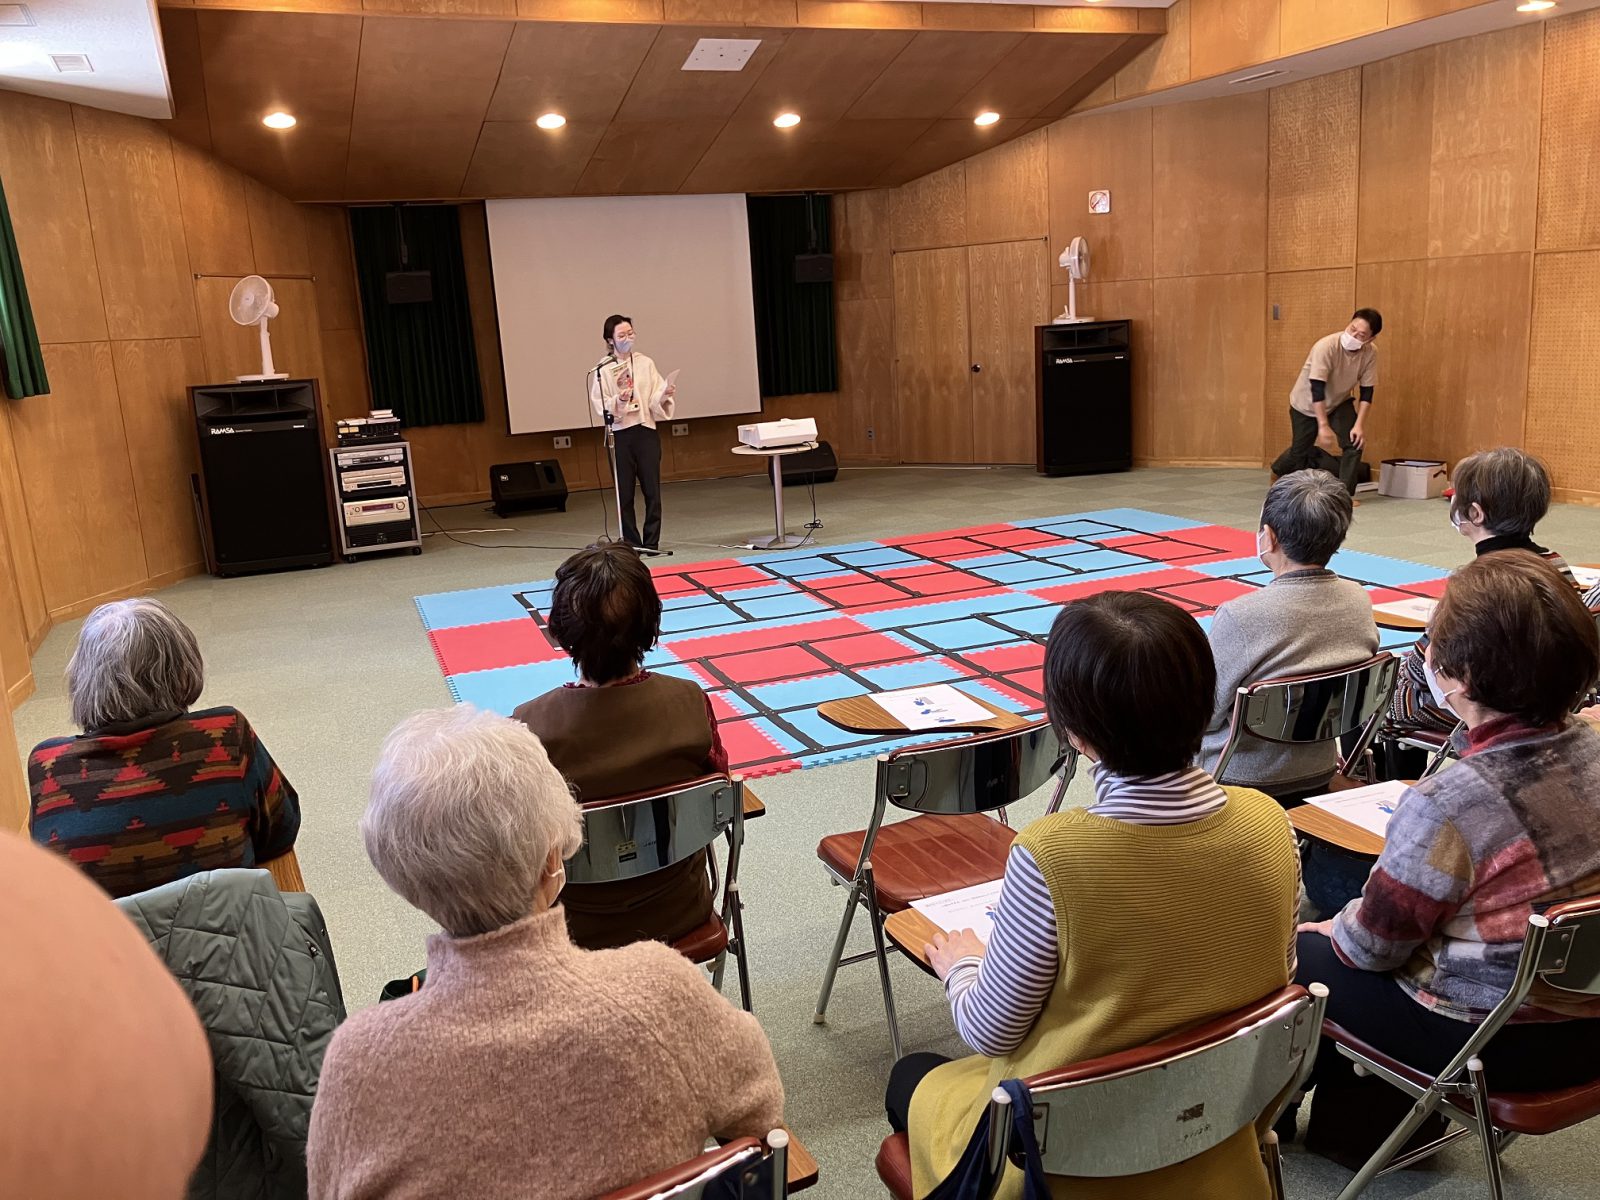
{"x": 810, "y": 466}
{"x": 813, "y": 268}
{"x": 519, "y": 487}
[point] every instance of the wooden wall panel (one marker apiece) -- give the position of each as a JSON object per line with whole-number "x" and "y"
{"x": 1396, "y": 152}
{"x": 1210, "y": 184}
{"x": 1483, "y": 186}
{"x": 346, "y": 390}
{"x": 1210, "y": 358}
{"x": 13, "y": 783}
{"x": 216, "y": 224}
{"x": 1406, "y": 394}
{"x": 1009, "y": 294}
{"x": 1163, "y": 65}
{"x": 19, "y": 533}
{"x": 1302, "y": 306}
{"x": 1314, "y": 157}
{"x": 278, "y": 232}
{"x": 333, "y": 263}
{"x": 931, "y": 211}
{"x": 1562, "y": 427}
{"x": 134, "y": 209}
{"x": 153, "y": 379}
{"x": 1403, "y": 12}
{"x": 1307, "y": 24}
{"x": 933, "y": 373}
{"x": 1227, "y": 34}
{"x": 1007, "y": 192}
{"x": 1476, "y": 348}
{"x": 16, "y": 667}
{"x": 1111, "y": 151}
{"x": 864, "y": 416}
{"x": 44, "y": 191}
{"x": 86, "y": 536}
{"x": 1129, "y": 299}
{"x": 1569, "y": 138}
{"x": 862, "y": 266}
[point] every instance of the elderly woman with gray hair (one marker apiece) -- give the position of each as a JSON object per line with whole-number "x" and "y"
{"x": 1306, "y": 619}
{"x": 524, "y": 1066}
{"x": 150, "y": 791}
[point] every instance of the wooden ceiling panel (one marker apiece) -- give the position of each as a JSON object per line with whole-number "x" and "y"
{"x": 516, "y": 158}
{"x": 750, "y": 155}
{"x": 414, "y": 159}
{"x": 1028, "y": 80}
{"x": 819, "y": 73}
{"x": 945, "y": 142}
{"x": 644, "y": 157}
{"x": 304, "y": 63}
{"x": 663, "y": 91}
{"x": 428, "y": 69}
{"x": 928, "y": 72}
{"x": 580, "y": 71}
{"x": 180, "y": 34}
{"x": 309, "y": 165}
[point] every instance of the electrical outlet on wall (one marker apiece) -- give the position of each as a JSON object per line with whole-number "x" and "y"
{"x": 869, "y": 433}
{"x": 680, "y": 429}
{"x": 563, "y": 443}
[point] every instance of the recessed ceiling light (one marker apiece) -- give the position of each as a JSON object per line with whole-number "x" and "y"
{"x": 986, "y": 118}
{"x": 551, "y": 121}
{"x": 1533, "y": 6}
{"x": 278, "y": 120}
{"x": 786, "y": 120}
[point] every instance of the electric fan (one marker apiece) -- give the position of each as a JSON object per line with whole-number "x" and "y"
{"x": 1075, "y": 258}
{"x": 251, "y": 303}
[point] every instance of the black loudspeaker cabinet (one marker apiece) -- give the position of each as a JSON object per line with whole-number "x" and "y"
{"x": 810, "y": 466}
{"x": 521, "y": 486}
{"x": 265, "y": 497}
{"x": 1084, "y": 390}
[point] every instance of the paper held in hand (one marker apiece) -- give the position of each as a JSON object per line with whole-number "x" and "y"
{"x": 933, "y": 707}
{"x": 1587, "y": 577}
{"x": 1368, "y": 807}
{"x": 968, "y": 908}
{"x": 1416, "y": 609}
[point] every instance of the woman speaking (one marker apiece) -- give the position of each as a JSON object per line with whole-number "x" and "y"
{"x": 628, "y": 393}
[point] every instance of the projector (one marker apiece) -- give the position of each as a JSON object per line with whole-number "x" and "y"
{"x": 768, "y": 435}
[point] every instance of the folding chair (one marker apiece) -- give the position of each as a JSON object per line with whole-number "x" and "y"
{"x": 1561, "y": 951}
{"x": 951, "y": 844}
{"x": 625, "y": 837}
{"x": 744, "y": 1169}
{"x": 1303, "y": 710}
{"x": 1159, "y": 1104}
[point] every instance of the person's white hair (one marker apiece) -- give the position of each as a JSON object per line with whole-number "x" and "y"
{"x": 464, "y": 810}
{"x": 134, "y": 659}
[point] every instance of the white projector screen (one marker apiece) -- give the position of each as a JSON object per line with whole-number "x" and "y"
{"x": 679, "y": 266}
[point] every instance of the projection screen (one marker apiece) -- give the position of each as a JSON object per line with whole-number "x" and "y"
{"x": 678, "y": 265}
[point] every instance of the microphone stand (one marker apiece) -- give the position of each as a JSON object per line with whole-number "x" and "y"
{"x": 616, "y": 479}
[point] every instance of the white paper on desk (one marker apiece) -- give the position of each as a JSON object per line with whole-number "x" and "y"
{"x": 969, "y": 908}
{"x": 932, "y": 707}
{"x": 1418, "y": 608}
{"x": 1587, "y": 577}
{"x": 1369, "y": 807}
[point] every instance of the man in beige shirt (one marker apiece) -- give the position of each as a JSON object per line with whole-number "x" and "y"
{"x": 1327, "y": 428}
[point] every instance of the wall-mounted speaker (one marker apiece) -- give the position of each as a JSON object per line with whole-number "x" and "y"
{"x": 813, "y": 268}
{"x": 408, "y": 287}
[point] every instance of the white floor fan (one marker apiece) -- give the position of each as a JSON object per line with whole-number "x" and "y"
{"x": 1075, "y": 259}
{"x": 251, "y": 303}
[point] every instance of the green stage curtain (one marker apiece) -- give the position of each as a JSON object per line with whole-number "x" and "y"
{"x": 794, "y": 321}
{"x": 421, "y": 358}
{"x": 24, "y": 365}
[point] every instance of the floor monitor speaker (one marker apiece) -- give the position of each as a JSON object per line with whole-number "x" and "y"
{"x": 811, "y": 466}
{"x": 518, "y": 487}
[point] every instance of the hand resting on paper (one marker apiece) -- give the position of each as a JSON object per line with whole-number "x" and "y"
{"x": 947, "y": 949}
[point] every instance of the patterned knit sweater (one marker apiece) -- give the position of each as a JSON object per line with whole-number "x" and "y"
{"x": 140, "y": 804}
{"x": 1470, "y": 854}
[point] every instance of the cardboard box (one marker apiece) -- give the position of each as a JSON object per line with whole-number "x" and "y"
{"x": 1412, "y": 478}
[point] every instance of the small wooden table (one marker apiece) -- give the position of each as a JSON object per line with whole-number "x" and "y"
{"x": 753, "y": 805}
{"x": 1336, "y": 831}
{"x": 863, "y": 714}
{"x": 1396, "y": 621}
{"x": 911, "y": 931}
{"x": 802, "y": 1172}
{"x": 285, "y": 871}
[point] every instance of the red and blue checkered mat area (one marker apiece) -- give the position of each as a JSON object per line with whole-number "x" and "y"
{"x": 772, "y": 636}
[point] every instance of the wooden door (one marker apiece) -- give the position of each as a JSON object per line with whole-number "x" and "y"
{"x": 1009, "y": 288}
{"x": 934, "y": 373}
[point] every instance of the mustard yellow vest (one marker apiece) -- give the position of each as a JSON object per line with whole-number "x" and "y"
{"x": 1159, "y": 927}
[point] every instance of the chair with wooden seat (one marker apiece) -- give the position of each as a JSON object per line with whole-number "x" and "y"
{"x": 1560, "y": 952}
{"x": 743, "y": 1169}
{"x": 951, "y": 843}
{"x": 1319, "y": 707}
{"x": 625, "y": 837}
{"x": 1159, "y": 1104}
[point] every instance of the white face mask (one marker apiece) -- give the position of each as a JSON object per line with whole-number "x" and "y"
{"x": 1441, "y": 698}
{"x": 1350, "y": 342}
{"x": 1261, "y": 550}
{"x": 624, "y": 345}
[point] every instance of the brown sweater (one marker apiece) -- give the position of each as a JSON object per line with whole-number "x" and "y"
{"x": 650, "y": 732}
{"x": 528, "y": 1067}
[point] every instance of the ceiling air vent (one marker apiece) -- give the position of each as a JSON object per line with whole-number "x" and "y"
{"x": 71, "y": 64}
{"x": 721, "y": 54}
{"x": 15, "y": 14}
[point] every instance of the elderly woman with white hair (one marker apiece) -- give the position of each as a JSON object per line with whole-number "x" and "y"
{"x": 525, "y": 1065}
{"x": 150, "y": 791}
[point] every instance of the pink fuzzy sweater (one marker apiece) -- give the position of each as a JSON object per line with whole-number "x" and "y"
{"x": 527, "y": 1067}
